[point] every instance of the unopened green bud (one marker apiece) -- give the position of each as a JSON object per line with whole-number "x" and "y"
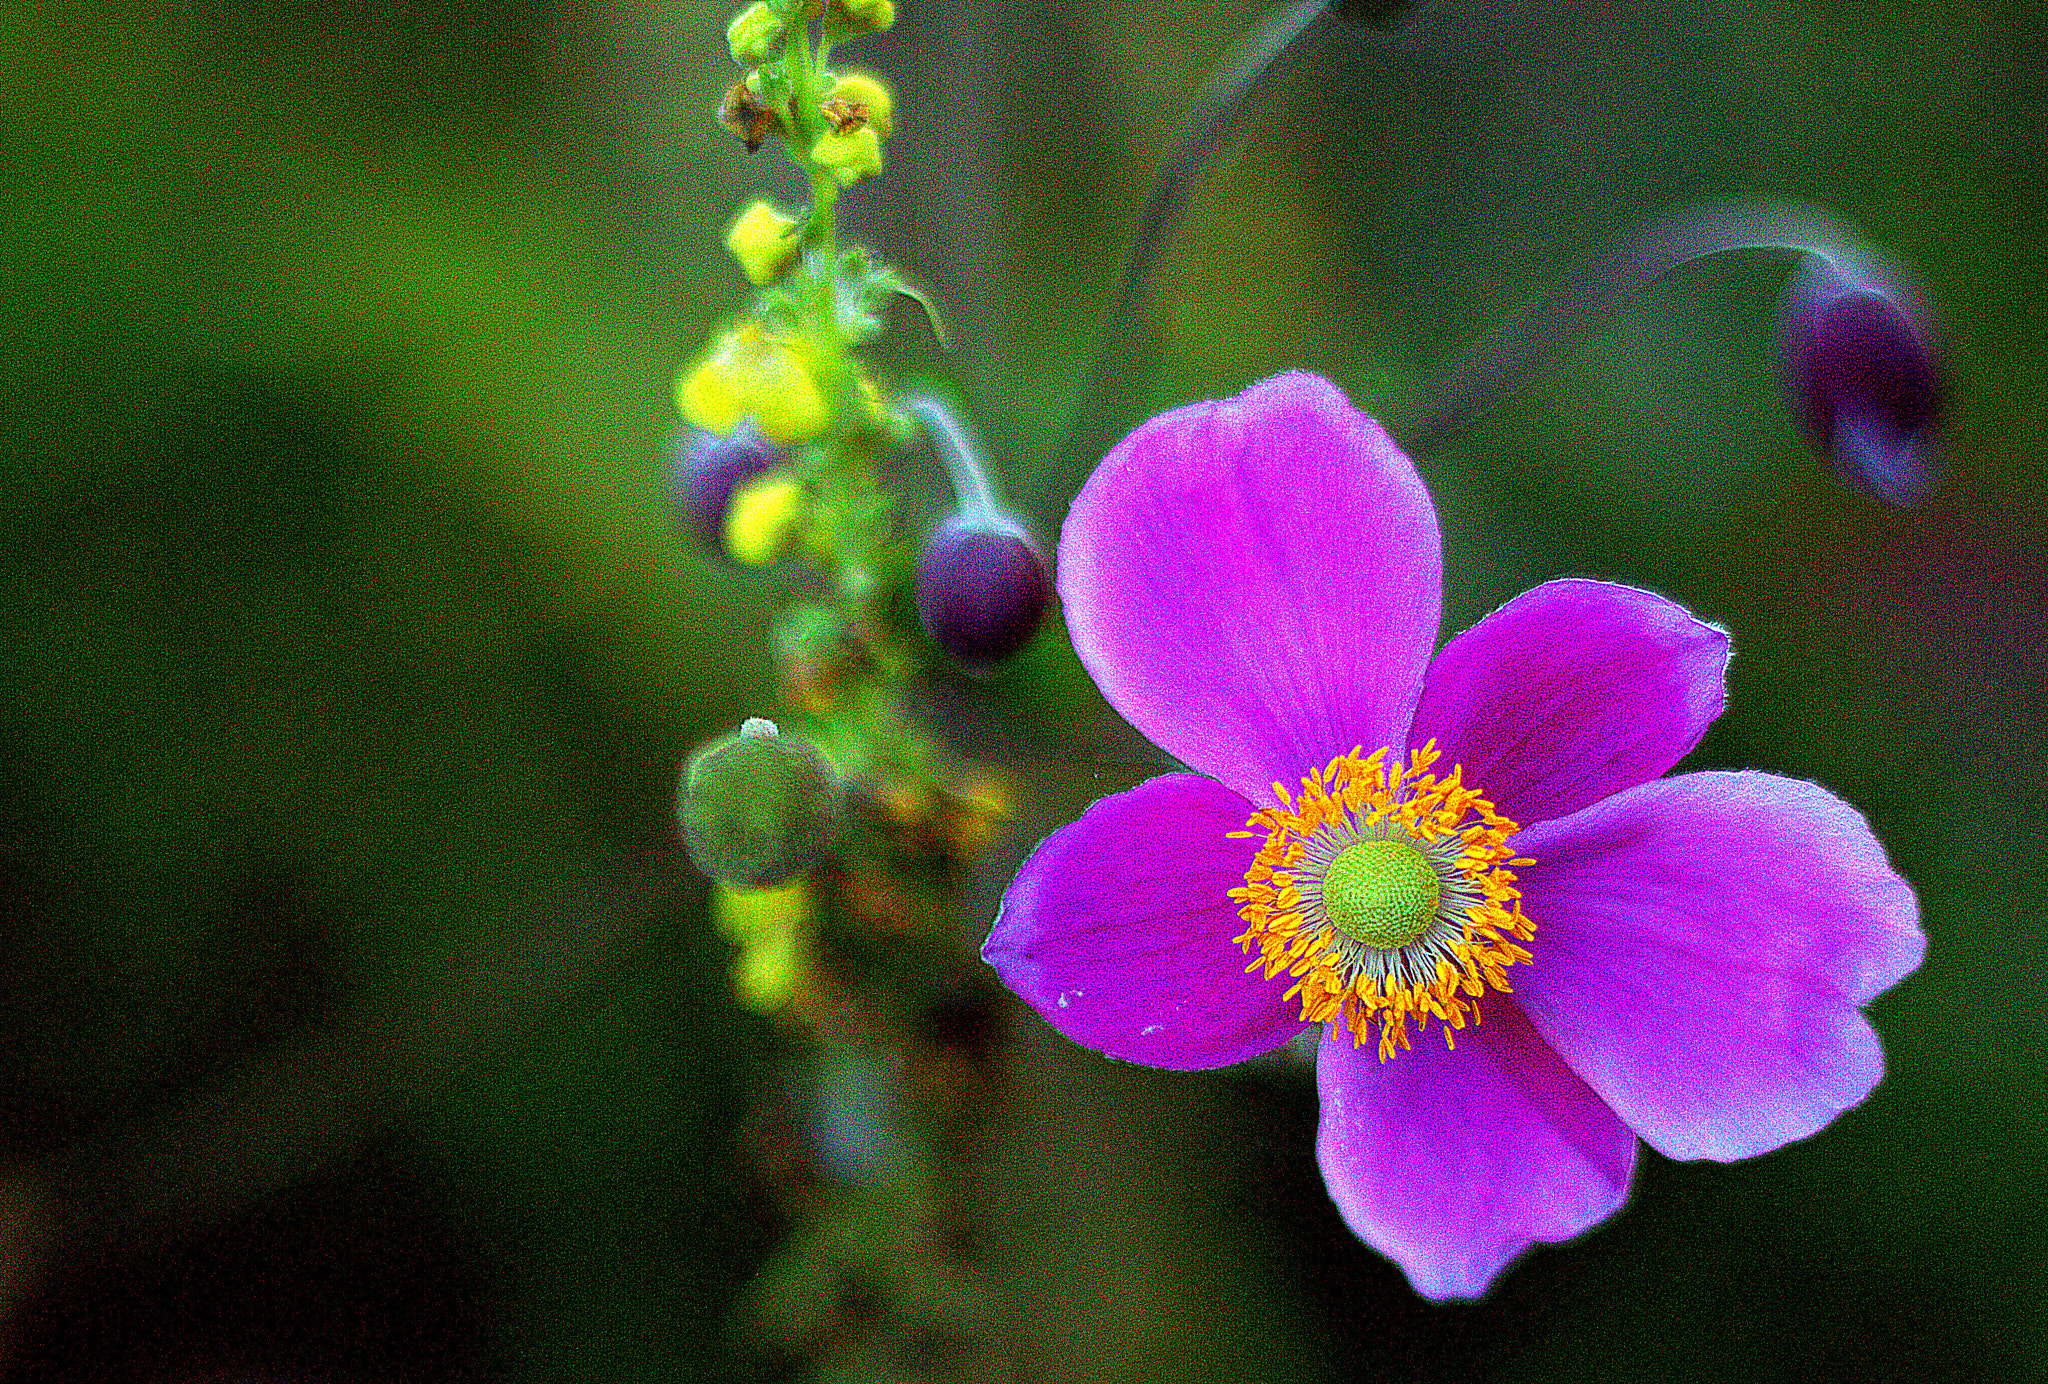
{"x": 755, "y": 35}
{"x": 758, "y": 808}
{"x": 851, "y": 156}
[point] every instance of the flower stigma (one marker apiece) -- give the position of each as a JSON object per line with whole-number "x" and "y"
{"x": 1388, "y": 894}
{"x": 1381, "y": 893}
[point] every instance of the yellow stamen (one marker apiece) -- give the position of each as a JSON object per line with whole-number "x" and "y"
{"x": 1443, "y": 972}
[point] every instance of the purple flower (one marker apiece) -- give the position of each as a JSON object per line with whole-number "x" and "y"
{"x": 1255, "y": 585}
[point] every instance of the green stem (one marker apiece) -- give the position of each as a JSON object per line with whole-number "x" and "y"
{"x": 804, "y": 99}
{"x": 965, "y": 468}
{"x": 820, "y": 240}
{"x": 1218, "y": 112}
{"x": 1507, "y": 361}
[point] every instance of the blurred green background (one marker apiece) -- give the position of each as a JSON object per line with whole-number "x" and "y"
{"x": 356, "y": 1020}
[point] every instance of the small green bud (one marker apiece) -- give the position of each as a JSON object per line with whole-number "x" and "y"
{"x": 755, "y": 34}
{"x": 758, "y": 808}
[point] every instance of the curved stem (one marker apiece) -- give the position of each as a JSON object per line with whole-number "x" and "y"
{"x": 1218, "y": 111}
{"x": 1506, "y": 362}
{"x": 965, "y": 467}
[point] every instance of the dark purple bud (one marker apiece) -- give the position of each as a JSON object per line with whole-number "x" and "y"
{"x": 1860, "y": 373}
{"x": 982, "y": 587}
{"x": 708, "y": 468}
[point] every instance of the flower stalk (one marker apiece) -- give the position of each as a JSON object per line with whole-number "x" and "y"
{"x": 1896, "y": 383}
{"x": 842, "y": 837}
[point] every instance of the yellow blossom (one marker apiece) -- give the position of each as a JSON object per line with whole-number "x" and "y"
{"x": 861, "y": 98}
{"x": 761, "y": 241}
{"x": 871, "y": 15}
{"x": 754, "y": 35}
{"x": 769, "y": 927}
{"x": 763, "y": 518}
{"x": 750, "y": 373}
{"x": 851, "y": 156}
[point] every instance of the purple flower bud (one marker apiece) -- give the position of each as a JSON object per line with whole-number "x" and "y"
{"x": 708, "y": 469}
{"x": 1860, "y": 373}
{"x": 982, "y": 587}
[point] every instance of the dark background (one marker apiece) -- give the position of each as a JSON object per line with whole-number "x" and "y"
{"x": 356, "y": 1019}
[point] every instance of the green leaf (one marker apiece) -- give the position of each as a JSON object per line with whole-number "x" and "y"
{"x": 886, "y": 280}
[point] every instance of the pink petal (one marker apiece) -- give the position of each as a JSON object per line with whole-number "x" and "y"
{"x": 1255, "y": 584}
{"x": 1117, "y": 930}
{"x": 1453, "y": 1163}
{"x": 1702, "y": 945}
{"x": 1572, "y": 691}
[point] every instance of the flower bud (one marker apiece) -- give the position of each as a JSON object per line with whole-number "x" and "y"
{"x": 982, "y": 587}
{"x": 762, "y": 240}
{"x": 746, "y": 116}
{"x": 763, "y": 519}
{"x": 1861, "y": 375}
{"x": 758, "y": 808}
{"x": 752, "y": 374}
{"x": 708, "y": 469}
{"x": 870, "y": 16}
{"x": 857, "y": 99}
{"x": 755, "y": 34}
{"x": 849, "y": 156}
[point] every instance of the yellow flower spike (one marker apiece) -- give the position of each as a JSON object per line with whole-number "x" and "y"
{"x": 851, "y": 156}
{"x": 761, "y": 240}
{"x": 861, "y": 98}
{"x": 749, "y": 373}
{"x": 763, "y": 519}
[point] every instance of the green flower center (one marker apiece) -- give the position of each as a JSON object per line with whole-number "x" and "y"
{"x": 1388, "y": 894}
{"x": 1382, "y": 893}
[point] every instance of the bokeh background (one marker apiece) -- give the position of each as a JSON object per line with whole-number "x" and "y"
{"x": 357, "y": 1020}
